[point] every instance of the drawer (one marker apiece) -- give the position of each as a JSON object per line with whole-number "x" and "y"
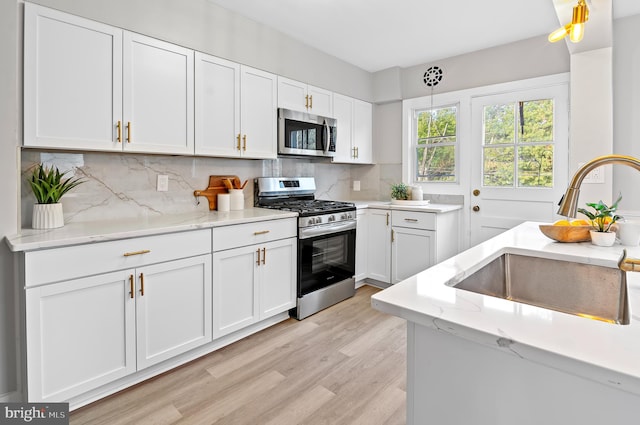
{"x": 227, "y": 237}
{"x": 56, "y": 264}
{"x": 414, "y": 220}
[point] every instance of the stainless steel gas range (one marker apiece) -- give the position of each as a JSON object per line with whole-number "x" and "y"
{"x": 326, "y": 241}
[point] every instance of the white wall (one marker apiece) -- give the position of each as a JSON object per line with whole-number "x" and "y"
{"x": 9, "y": 128}
{"x": 626, "y": 107}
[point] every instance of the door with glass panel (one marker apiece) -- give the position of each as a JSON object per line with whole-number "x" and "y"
{"x": 519, "y": 152}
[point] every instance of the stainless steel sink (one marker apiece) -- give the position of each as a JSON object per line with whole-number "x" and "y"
{"x": 584, "y": 290}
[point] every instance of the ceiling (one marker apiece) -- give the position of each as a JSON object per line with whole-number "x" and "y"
{"x": 380, "y": 34}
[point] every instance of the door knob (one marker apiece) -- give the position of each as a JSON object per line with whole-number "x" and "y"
{"x": 476, "y": 192}
{"x": 476, "y": 208}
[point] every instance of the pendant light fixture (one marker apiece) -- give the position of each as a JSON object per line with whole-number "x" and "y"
{"x": 575, "y": 29}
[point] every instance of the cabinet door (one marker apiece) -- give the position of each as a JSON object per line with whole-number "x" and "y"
{"x": 173, "y": 308}
{"x": 158, "y": 96}
{"x": 72, "y": 81}
{"x": 362, "y": 242}
{"x": 292, "y": 95}
{"x": 412, "y": 251}
{"x": 362, "y": 132}
{"x": 235, "y": 301}
{"x": 320, "y": 101}
{"x": 217, "y": 110}
{"x": 379, "y": 256}
{"x": 81, "y": 335}
{"x": 343, "y": 112}
{"x": 258, "y": 116}
{"x": 277, "y": 277}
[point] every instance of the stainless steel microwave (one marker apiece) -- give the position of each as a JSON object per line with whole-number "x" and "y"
{"x": 303, "y": 134}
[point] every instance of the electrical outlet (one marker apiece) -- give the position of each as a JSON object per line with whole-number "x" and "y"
{"x": 356, "y": 185}
{"x": 162, "y": 184}
{"x": 594, "y": 176}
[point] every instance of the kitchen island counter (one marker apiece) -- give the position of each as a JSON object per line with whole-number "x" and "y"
{"x": 516, "y": 346}
{"x": 107, "y": 230}
{"x": 430, "y": 207}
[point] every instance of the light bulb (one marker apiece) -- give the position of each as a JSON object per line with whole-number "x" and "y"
{"x": 560, "y": 33}
{"x": 576, "y": 33}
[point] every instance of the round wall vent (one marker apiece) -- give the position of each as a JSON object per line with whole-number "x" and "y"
{"x": 433, "y": 76}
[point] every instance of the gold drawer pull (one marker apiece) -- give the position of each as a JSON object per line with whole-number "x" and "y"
{"x": 238, "y": 138}
{"x": 411, "y": 220}
{"x": 244, "y": 142}
{"x": 262, "y": 232}
{"x": 144, "y": 251}
{"x": 128, "y": 131}
{"x": 131, "y": 290}
{"x": 142, "y": 284}
{"x": 264, "y": 255}
{"x": 258, "y": 260}
{"x": 119, "y": 126}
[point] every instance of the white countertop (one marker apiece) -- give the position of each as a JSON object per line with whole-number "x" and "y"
{"x": 604, "y": 352}
{"x": 430, "y": 207}
{"x": 98, "y": 231}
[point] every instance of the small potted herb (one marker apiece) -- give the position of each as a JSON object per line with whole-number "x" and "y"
{"x": 49, "y": 185}
{"x": 399, "y": 191}
{"x": 602, "y": 218}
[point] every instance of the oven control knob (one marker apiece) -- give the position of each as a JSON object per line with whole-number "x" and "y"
{"x": 344, "y": 216}
{"x": 318, "y": 220}
{"x": 332, "y": 218}
{"x": 311, "y": 221}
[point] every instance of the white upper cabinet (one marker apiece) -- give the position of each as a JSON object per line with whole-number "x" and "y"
{"x": 217, "y": 110}
{"x": 236, "y": 109}
{"x": 158, "y": 96}
{"x": 258, "y": 113}
{"x": 299, "y": 96}
{"x": 72, "y": 81}
{"x": 91, "y": 86}
{"x": 355, "y": 120}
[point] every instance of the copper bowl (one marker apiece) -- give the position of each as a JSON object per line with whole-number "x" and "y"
{"x": 566, "y": 233}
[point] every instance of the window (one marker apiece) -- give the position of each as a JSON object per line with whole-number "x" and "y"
{"x": 518, "y": 144}
{"x": 436, "y": 144}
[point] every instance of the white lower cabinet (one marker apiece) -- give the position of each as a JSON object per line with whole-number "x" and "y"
{"x": 412, "y": 250}
{"x": 83, "y": 332}
{"x": 254, "y": 277}
{"x": 379, "y": 237}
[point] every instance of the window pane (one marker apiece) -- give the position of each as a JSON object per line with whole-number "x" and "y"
{"x": 498, "y": 166}
{"x": 499, "y": 124}
{"x": 535, "y": 166}
{"x": 536, "y": 121}
{"x": 436, "y": 164}
{"x": 437, "y": 124}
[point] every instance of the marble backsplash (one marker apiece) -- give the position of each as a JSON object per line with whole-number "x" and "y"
{"x": 124, "y": 185}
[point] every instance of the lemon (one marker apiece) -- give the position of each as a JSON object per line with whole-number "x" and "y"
{"x": 579, "y": 222}
{"x": 562, "y": 223}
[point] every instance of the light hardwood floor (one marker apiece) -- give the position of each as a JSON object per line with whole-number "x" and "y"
{"x": 344, "y": 365}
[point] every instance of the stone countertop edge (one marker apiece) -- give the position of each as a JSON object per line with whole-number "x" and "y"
{"x": 107, "y": 230}
{"x": 599, "y": 351}
{"x": 431, "y": 207}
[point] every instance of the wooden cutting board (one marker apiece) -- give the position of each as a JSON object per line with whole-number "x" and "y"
{"x": 216, "y": 186}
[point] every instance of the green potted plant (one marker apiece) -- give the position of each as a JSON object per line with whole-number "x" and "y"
{"x": 49, "y": 185}
{"x": 399, "y": 191}
{"x": 602, "y": 218}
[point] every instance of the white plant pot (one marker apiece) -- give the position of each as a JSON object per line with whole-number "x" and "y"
{"x": 602, "y": 238}
{"x": 47, "y": 216}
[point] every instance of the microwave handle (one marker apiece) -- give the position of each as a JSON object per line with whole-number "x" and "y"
{"x": 327, "y": 136}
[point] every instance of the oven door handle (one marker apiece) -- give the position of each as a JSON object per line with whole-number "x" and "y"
{"x": 310, "y": 232}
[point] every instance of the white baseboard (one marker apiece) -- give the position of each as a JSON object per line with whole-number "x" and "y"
{"x": 12, "y": 397}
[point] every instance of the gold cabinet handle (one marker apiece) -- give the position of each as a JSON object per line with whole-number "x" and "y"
{"x": 128, "y": 131}
{"x": 353, "y": 153}
{"x": 411, "y": 220}
{"x": 142, "y": 284}
{"x": 143, "y": 251}
{"x": 262, "y": 232}
{"x": 264, "y": 255}
{"x": 311, "y": 102}
{"x": 238, "y": 146}
{"x": 387, "y": 219}
{"x": 393, "y": 235}
{"x": 357, "y": 153}
{"x": 306, "y": 102}
{"x": 131, "y": 289}
{"x": 119, "y": 127}
{"x": 244, "y": 142}
{"x": 258, "y": 260}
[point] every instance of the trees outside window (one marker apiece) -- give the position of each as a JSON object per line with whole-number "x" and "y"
{"x": 436, "y": 144}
